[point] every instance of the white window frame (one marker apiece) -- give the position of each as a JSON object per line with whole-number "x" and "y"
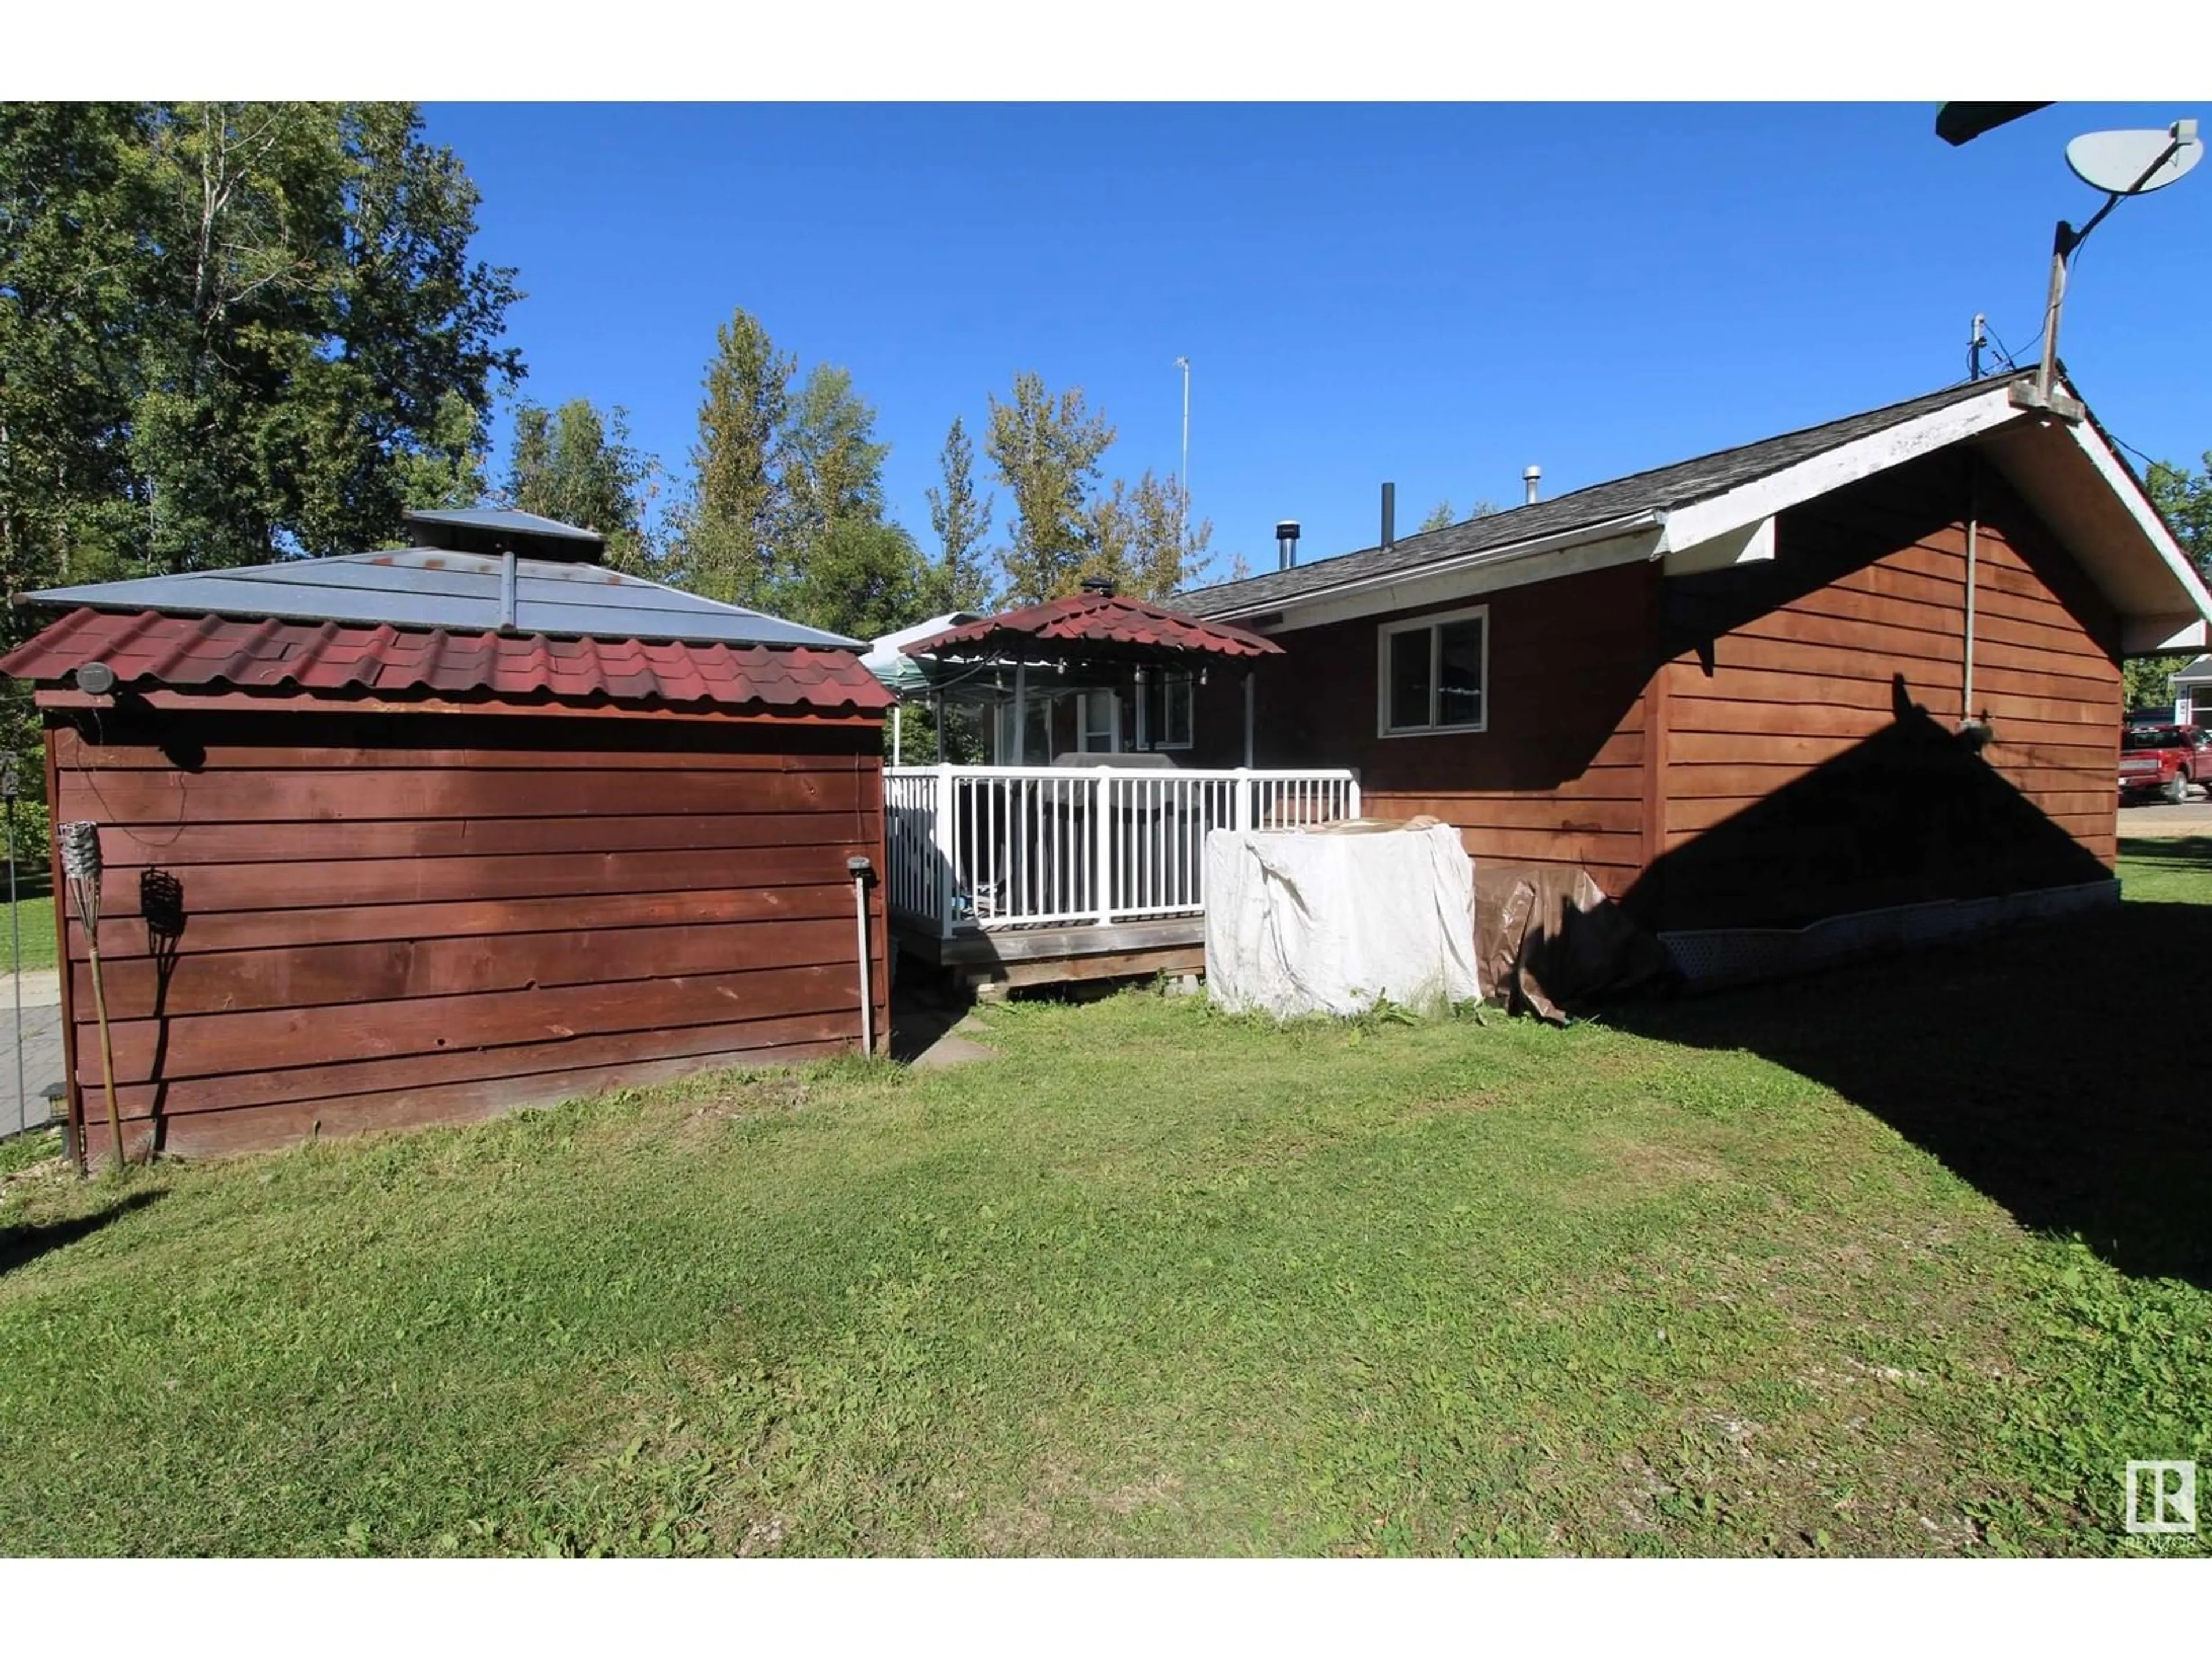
{"x": 1385, "y": 633}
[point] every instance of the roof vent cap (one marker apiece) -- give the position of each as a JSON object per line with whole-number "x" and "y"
{"x": 1101, "y": 586}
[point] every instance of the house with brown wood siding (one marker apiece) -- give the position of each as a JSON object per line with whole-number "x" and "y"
{"x": 419, "y": 835}
{"x": 1871, "y": 669}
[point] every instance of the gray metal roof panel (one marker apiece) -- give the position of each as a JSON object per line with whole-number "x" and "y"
{"x": 436, "y": 587}
{"x": 1661, "y": 488}
{"x": 502, "y": 518}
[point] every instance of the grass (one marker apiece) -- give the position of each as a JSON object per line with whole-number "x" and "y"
{"x": 37, "y": 918}
{"x": 1888, "y": 1262}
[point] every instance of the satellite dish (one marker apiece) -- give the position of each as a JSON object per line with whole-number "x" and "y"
{"x": 2117, "y": 162}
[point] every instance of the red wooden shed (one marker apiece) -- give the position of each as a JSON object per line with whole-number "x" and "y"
{"x": 417, "y": 835}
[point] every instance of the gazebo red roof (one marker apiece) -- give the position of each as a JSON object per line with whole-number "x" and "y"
{"x": 1092, "y": 625}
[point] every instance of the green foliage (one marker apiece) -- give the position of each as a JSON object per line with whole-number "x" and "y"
{"x": 731, "y": 531}
{"x": 449, "y": 470}
{"x": 857, "y": 576}
{"x": 833, "y": 463}
{"x": 786, "y": 512}
{"x": 1442, "y": 517}
{"x": 958, "y": 579}
{"x": 840, "y": 566}
{"x": 2147, "y": 682}
{"x": 1045, "y": 449}
{"x": 2185, "y": 499}
{"x": 1136, "y": 538}
{"x": 577, "y": 465}
{"x": 227, "y": 327}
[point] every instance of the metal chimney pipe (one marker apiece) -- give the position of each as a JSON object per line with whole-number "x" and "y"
{"x": 1390, "y": 515}
{"x": 1287, "y": 544}
{"x": 1531, "y": 477}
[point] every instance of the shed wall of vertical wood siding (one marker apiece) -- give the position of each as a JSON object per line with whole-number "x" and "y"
{"x": 397, "y": 919}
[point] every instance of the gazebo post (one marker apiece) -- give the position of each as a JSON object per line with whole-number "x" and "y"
{"x": 940, "y": 728}
{"x": 898, "y": 735}
{"x": 1248, "y": 721}
{"x": 1021, "y": 713}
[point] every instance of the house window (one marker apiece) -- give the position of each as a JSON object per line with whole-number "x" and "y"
{"x": 1434, "y": 673}
{"x": 1169, "y": 718}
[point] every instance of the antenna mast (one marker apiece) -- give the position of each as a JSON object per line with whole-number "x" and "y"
{"x": 2113, "y": 162}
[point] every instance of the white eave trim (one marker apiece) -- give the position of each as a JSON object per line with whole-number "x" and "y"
{"x": 2123, "y": 483}
{"x": 1737, "y": 509}
{"x": 1736, "y": 527}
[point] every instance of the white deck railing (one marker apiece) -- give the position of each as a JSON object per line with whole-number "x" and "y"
{"x": 1025, "y": 846}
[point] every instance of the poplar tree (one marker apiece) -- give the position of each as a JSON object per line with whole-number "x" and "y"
{"x": 731, "y": 530}
{"x": 228, "y": 329}
{"x": 958, "y": 581}
{"x": 577, "y": 465}
{"x": 1045, "y": 449}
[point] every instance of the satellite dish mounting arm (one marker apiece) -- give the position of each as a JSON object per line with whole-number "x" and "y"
{"x": 2065, "y": 240}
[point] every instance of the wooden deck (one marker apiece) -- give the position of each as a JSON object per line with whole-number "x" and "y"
{"x": 1009, "y": 958}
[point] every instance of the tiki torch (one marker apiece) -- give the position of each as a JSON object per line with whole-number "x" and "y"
{"x": 81, "y": 866}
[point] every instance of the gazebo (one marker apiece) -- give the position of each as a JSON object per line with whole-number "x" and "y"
{"x": 1079, "y": 852}
{"x": 1113, "y": 676}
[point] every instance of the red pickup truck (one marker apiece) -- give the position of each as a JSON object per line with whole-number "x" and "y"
{"x": 2164, "y": 758}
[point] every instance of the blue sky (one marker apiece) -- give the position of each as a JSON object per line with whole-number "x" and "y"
{"x": 1433, "y": 295}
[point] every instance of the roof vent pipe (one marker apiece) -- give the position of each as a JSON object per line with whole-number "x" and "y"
{"x": 1099, "y": 586}
{"x": 1531, "y": 477}
{"x": 1287, "y": 544}
{"x": 1390, "y": 515}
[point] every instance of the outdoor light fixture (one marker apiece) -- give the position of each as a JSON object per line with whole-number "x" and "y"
{"x": 96, "y": 679}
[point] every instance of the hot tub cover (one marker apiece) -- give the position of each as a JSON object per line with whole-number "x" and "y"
{"x": 1325, "y": 922}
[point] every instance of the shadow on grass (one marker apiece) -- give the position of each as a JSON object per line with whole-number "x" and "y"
{"x": 2179, "y": 854}
{"x": 925, "y": 1006}
{"x": 20, "y": 1245}
{"x": 2063, "y": 1069}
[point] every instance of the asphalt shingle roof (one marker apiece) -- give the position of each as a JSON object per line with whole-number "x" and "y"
{"x": 1660, "y": 490}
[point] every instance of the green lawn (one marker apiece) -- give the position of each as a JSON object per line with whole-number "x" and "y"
{"x": 38, "y": 924}
{"x": 1897, "y": 1260}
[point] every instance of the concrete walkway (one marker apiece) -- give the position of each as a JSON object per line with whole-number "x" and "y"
{"x": 41, "y": 1037}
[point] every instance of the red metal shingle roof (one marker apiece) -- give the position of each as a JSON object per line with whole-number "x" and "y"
{"x": 147, "y": 649}
{"x": 1095, "y": 620}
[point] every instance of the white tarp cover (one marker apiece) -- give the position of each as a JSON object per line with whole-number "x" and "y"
{"x": 1316, "y": 922}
